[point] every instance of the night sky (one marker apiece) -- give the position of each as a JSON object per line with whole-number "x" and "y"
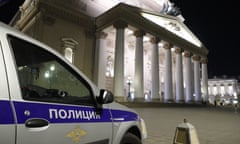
{"x": 8, "y": 9}
{"x": 214, "y": 22}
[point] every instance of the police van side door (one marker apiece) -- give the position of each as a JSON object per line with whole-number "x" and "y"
{"x": 7, "y": 123}
{"x": 56, "y": 104}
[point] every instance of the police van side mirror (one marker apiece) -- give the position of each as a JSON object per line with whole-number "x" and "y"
{"x": 105, "y": 97}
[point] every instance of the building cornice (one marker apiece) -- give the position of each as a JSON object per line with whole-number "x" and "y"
{"x": 132, "y": 15}
{"x": 53, "y": 8}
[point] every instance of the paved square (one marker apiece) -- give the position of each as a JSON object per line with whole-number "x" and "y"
{"x": 213, "y": 125}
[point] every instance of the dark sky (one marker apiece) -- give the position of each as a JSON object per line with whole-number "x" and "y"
{"x": 8, "y": 9}
{"x": 214, "y": 22}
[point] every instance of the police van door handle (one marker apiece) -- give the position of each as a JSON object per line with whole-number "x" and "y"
{"x": 36, "y": 123}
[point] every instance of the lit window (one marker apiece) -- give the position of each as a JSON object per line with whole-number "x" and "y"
{"x": 230, "y": 88}
{"x": 210, "y": 90}
{"x": 68, "y": 54}
{"x": 222, "y": 90}
{"x": 215, "y": 90}
{"x": 69, "y": 46}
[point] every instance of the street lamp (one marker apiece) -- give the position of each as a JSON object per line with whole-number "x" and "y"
{"x": 129, "y": 82}
{"x": 49, "y": 75}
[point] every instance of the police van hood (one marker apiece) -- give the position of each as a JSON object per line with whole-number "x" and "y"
{"x": 123, "y": 113}
{"x": 116, "y": 105}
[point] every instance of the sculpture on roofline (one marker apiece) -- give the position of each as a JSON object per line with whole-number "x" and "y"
{"x": 170, "y": 9}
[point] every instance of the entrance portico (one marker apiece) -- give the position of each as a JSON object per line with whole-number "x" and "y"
{"x": 142, "y": 47}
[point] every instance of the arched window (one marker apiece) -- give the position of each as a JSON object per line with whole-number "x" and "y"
{"x": 69, "y": 46}
{"x": 68, "y": 54}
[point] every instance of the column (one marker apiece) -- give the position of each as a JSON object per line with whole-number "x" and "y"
{"x": 204, "y": 79}
{"x": 155, "y": 69}
{"x": 101, "y": 41}
{"x": 179, "y": 76}
{"x": 197, "y": 87}
{"x": 188, "y": 77}
{"x": 168, "y": 91}
{"x": 138, "y": 77}
{"x": 118, "y": 86}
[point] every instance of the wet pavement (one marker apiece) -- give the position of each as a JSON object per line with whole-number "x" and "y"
{"x": 213, "y": 125}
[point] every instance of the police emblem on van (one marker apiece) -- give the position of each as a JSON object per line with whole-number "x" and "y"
{"x": 76, "y": 134}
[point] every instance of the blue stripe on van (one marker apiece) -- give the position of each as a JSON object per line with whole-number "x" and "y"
{"x": 6, "y": 114}
{"x": 59, "y": 113}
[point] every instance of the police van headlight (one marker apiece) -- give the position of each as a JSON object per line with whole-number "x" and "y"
{"x": 143, "y": 129}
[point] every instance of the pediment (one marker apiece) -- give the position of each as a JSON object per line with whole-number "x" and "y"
{"x": 165, "y": 27}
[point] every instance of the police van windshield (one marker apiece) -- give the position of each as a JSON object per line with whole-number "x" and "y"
{"x": 45, "y": 77}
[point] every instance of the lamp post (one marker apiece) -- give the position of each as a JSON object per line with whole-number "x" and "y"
{"x": 129, "y": 81}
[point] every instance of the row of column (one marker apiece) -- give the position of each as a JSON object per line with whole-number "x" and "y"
{"x": 191, "y": 78}
{"x": 118, "y": 86}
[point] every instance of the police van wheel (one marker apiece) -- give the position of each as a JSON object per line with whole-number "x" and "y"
{"x": 130, "y": 139}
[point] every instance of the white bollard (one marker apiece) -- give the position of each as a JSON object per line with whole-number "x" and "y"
{"x": 185, "y": 134}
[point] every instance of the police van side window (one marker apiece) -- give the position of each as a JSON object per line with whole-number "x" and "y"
{"x": 45, "y": 77}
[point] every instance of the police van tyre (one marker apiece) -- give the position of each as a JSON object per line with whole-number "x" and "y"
{"x": 130, "y": 138}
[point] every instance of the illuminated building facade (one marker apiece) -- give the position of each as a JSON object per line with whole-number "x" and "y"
{"x": 223, "y": 90}
{"x": 137, "y": 49}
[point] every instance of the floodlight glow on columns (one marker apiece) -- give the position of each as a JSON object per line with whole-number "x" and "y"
{"x": 160, "y": 44}
{"x": 129, "y": 32}
{"x": 146, "y": 39}
{"x": 174, "y": 27}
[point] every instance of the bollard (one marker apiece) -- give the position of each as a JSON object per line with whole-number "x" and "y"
{"x": 185, "y": 134}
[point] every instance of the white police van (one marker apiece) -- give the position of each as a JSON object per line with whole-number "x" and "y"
{"x": 44, "y": 99}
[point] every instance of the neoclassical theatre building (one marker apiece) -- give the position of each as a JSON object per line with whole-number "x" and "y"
{"x": 140, "y": 50}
